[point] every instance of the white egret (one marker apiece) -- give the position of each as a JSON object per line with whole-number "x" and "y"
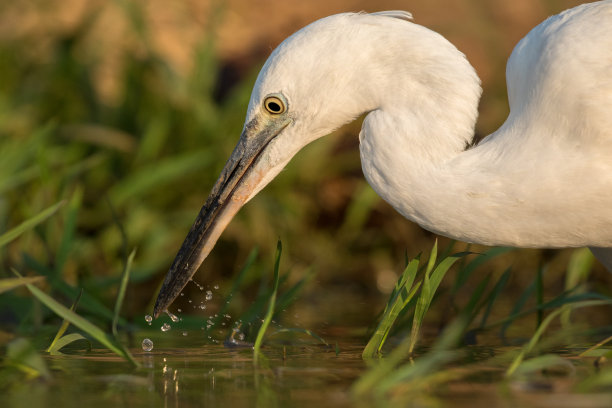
{"x": 543, "y": 179}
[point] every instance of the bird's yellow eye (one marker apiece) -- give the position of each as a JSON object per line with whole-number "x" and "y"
{"x": 275, "y": 104}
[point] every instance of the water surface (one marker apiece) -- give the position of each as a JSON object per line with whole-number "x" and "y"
{"x": 307, "y": 375}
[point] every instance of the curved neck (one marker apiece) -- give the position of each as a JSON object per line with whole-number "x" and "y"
{"x": 511, "y": 189}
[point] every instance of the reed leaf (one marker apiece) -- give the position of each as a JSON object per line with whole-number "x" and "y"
{"x": 30, "y": 223}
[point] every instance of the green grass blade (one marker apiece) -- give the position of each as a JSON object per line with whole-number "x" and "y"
{"x": 540, "y": 294}
{"x": 432, "y": 258}
{"x": 12, "y": 283}
{"x": 472, "y": 307}
{"x": 557, "y": 302}
{"x": 29, "y": 223}
{"x": 542, "y": 327}
{"x": 465, "y": 272}
{"x": 289, "y": 296}
{"x": 64, "y": 325}
{"x": 594, "y": 349}
{"x": 271, "y": 306}
{"x": 22, "y": 355}
{"x": 438, "y": 274}
{"x": 360, "y": 207}
{"x": 390, "y": 372}
{"x": 88, "y": 302}
{"x": 125, "y": 278}
{"x": 543, "y": 362}
{"x": 516, "y": 310}
{"x": 601, "y": 380}
{"x": 431, "y": 281}
{"x": 578, "y": 269}
{"x": 89, "y": 328}
{"x": 156, "y": 174}
{"x": 399, "y": 299}
{"x": 579, "y": 266}
{"x": 62, "y": 342}
{"x": 69, "y": 229}
{"x": 395, "y": 311}
{"x": 494, "y": 295}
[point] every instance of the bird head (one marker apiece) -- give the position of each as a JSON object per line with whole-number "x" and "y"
{"x": 299, "y": 96}
{"x": 320, "y": 78}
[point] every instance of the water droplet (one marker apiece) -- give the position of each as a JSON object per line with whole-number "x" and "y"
{"x": 202, "y": 306}
{"x": 208, "y": 295}
{"x": 173, "y": 317}
{"x": 147, "y": 345}
{"x": 165, "y": 327}
{"x": 148, "y": 319}
{"x": 216, "y": 287}
{"x": 179, "y": 310}
{"x": 184, "y": 333}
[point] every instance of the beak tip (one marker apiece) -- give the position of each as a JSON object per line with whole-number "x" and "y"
{"x": 158, "y": 308}
{"x": 171, "y": 288}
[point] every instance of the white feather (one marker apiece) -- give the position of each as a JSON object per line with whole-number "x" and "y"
{"x": 544, "y": 179}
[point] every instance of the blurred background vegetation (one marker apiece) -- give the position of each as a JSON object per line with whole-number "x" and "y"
{"x": 127, "y": 110}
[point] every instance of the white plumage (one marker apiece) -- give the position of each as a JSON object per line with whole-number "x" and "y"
{"x": 543, "y": 179}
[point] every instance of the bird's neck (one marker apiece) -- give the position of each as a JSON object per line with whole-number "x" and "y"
{"x": 420, "y": 127}
{"x": 414, "y": 154}
{"x": 512, "y": 188}
{"x": 407, "y": 157}
{"x": 495, "y": 193}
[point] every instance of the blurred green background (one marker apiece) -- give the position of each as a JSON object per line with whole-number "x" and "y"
{"x": 127, "y": 110}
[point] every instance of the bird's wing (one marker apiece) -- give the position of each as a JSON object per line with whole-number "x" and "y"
{"x": 560, "y": 74}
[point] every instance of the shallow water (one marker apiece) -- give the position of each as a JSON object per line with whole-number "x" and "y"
{"x": 211, "y": 375}
{"x": 288, "y": 376}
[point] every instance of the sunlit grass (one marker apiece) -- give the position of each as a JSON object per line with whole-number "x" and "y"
{"x": 402, "y": 375}
{"x": 95, "y": 332}
{"x": 271, "y": 304}
{"x": 402, "y": 295}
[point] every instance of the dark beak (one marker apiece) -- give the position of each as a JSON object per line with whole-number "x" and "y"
{"x": 232, "y": 189}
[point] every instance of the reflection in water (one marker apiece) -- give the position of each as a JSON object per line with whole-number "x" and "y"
{"x": 219, "y": 376}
